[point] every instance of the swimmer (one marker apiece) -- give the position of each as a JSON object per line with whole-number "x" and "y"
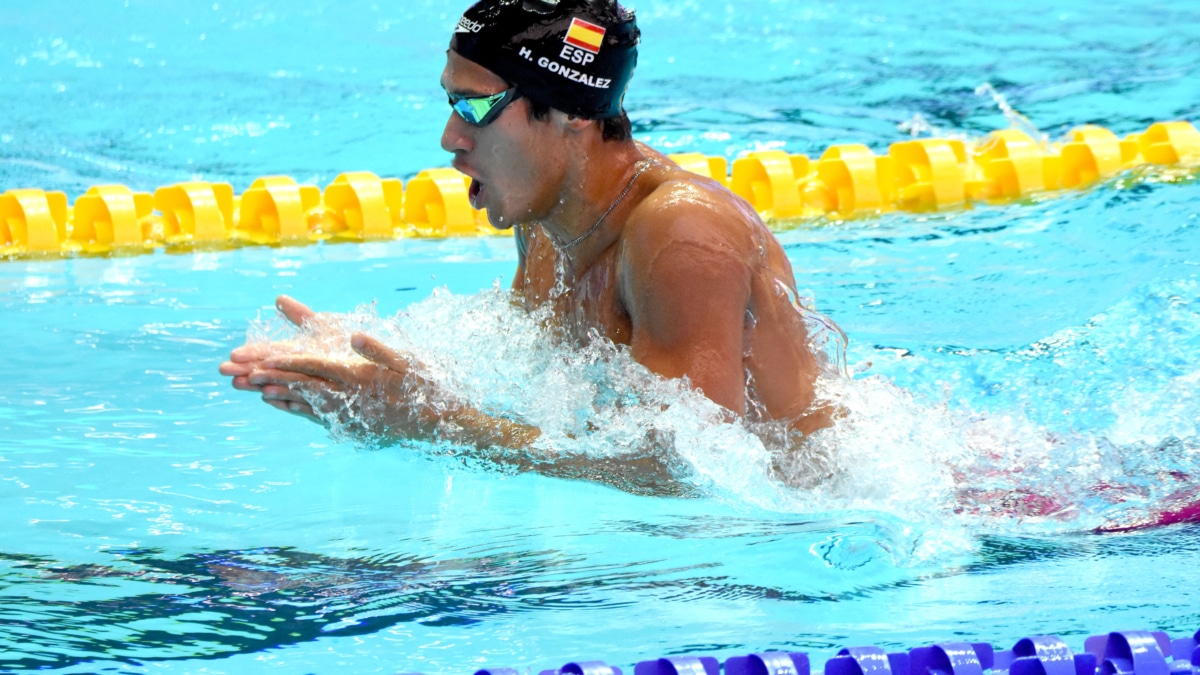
{"x": 619, "y": 241}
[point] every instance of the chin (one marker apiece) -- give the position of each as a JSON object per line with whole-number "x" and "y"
{"x": 499, "y": 220}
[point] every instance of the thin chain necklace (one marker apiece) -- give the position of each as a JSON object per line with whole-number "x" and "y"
{"x": 571, "y": 244}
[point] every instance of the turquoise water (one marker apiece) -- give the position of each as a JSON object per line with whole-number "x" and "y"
{"x": 155, "y": 521}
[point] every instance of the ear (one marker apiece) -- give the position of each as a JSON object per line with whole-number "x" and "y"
{"x": 580, "y": 123}
{"x": 572, "y": 123}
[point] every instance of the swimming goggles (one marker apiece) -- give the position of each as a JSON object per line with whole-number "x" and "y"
{"x": 481, "y": 111}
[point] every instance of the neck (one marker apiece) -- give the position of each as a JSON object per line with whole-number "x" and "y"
{"x": 579, "y": 227}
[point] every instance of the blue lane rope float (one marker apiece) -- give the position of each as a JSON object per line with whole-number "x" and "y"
{"x": 1118, "y": 653}
{"x": 846, "y": 181}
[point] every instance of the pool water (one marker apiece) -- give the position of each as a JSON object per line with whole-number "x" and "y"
{"x": 1023, "y": 374}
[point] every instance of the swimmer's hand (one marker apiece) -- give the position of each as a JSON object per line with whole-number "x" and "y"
{"x": 379, "y": 398}
{"x": 375, "y": 398}
{"x": 246, "y": 359}
{"x": 384, "y": 399}
{"x": 343, "y": 390}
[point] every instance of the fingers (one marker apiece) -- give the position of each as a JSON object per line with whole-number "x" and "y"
{"x": 290, "y": 401}
{"x": 253, "y": 352}
{"x": 318, "y": 367}
{"x": 378, "y": 353}
{"x": 284, "y": 378}
{"x": 296, "y": 408}
{"x": 234, "y": 369}
{"x": 280, "y": 392}
{"x": 277, "y": 391}
{"x": 282, "y": 386}
{"x": 294, "y": 310}
{"x": 242, "y": 383}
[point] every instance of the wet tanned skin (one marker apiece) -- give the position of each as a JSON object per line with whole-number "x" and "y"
{"x": 697, "y": 287}
{"x": 682, "y": 271}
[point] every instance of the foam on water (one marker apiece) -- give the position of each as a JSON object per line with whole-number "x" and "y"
{"x": 940, "y": 470}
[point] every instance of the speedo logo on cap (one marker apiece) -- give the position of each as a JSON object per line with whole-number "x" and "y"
{"x": 466, "y": 25}
{"x": 584, "y": 35}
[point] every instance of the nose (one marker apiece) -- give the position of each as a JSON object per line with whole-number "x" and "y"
{"x": 456, "y": 137}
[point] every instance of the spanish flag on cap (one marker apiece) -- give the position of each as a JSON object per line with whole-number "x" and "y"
{"x": 586, "y": 36}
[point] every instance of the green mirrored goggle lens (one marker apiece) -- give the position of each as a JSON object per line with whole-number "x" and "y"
{"x": 481, "y": 110}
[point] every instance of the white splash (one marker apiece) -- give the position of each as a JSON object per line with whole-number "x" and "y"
{"x": 1015, "y": 118}
{"x": 954, "y": 472}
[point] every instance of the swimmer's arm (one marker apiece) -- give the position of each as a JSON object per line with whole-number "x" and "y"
{"x": 687, "y": 288}
{"x": 503, "y": 442}
{"x": 282, "y": 378}
{"x": 381, "y": 398}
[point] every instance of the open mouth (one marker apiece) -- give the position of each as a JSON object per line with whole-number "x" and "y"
{"x": 473, "y": 194}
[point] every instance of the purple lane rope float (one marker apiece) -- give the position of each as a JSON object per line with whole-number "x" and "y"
{"x": 1117, "y": 653}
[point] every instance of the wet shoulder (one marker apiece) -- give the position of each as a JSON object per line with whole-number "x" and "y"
{"x": 684, "y": 210}
{"x": 686, "y": 238}
{"x": 684, "y": 207}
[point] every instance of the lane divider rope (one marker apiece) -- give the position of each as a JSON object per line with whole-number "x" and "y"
{"x": 846, "y": 181}
{"x": 1131, "y": 652}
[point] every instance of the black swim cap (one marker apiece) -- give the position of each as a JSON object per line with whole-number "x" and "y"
{"x": 576, "y": 56}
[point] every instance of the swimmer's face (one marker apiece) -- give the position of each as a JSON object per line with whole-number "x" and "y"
{"x": 515, "y": 162}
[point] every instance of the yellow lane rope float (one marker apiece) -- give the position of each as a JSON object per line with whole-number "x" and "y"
{"x": 846, "y": 181}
